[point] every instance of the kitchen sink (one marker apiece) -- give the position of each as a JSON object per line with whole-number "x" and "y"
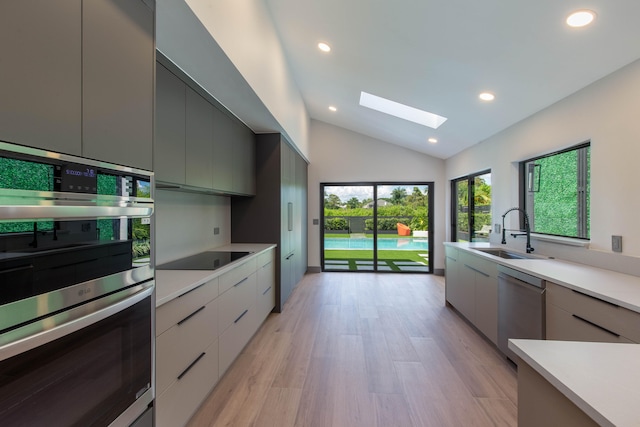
{"x": 502, "y": 253}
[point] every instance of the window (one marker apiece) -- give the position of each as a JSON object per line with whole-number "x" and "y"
{"x": 555, "y": 192}
{"x": 471, "y": 208}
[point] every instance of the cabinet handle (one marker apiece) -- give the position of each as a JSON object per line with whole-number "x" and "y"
{"x": 595, "y": 298}
{"x": 191, "y": 315}
{"x": 267, "y": 290}
{"x": 596, "y": 325}
{"x": 477, "y": 271}
{"x": 191, "y": 290}
{"x": 240, "y": 282}
{"x": 290, "y": 216}
{"x": 289, "y": 257}
{"x": 265, "y": 266}
{"x": 241, "y": 316}
{"x": 190, "y": 366}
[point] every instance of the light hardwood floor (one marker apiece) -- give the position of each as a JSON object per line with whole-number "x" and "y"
{"x": 365, "y": 349}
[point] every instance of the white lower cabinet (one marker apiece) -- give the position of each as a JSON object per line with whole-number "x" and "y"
{"x": 472, "y": 288}
{"x": 574, "y": 316}
{"x": 266, "y": 283}
{"x": 200, "y": 333}
{"x": 236, "y": 336}
{"x": 178, "y": 403}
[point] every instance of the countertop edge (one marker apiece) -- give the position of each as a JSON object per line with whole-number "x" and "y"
{"x": 524, "y": 348}
{"x": 204, "y": 276}
{"x": 536, "y": 268}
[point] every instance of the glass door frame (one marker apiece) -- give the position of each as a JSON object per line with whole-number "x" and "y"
{"x": 375, "y": 184}
{"x": 470, "y": 204}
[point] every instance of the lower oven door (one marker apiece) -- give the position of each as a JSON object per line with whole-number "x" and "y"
{"x": 94, "y": 370}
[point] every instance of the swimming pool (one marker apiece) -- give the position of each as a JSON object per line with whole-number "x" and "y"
{"x": 396, "y": 243}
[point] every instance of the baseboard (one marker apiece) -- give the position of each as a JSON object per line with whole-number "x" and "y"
{"x": 314, "y": 269}
{"x": 438, "y": 271}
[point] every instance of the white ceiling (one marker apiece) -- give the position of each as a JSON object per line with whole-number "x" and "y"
{"x": 438, "y": 55}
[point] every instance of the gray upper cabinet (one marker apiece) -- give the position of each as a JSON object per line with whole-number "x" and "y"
{"x": 198, "y": 144}
{"x": 170, "y": 144}
{"x": 243, "y": 160}
{"x": 222, "y": 151}
{"x": 118, "y": 60}
{"x": 77, "y": 77}
{"x": 199, "y": 141}
{"x": 40, "y": 88}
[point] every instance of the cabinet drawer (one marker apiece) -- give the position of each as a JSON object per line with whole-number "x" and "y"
{"x": 238, "y": 274}
{"x": 266, "y": 276}
{"x": 265, "y": 258}
{"x": 181, "y": 344}
{"x": 172, "y": 312}
{"x": 564, "y": 326}
{"x": 179, "y": 402}
{"x": 609, "y": 316}
{"x": 478, "y": 264}
{"x": 451, "y": 253}
{"x": 233, "y": 340}
{"x": 266, "y": 301}
{"x": 236, "y": 301}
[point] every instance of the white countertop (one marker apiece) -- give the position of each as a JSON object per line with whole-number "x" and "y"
{"x": 602, "y": 379}
{"x": 616, "y": 288}
{"x": 172, "y": 283}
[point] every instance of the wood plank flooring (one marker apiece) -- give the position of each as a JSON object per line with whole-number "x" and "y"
{"x": 365, "y": 349}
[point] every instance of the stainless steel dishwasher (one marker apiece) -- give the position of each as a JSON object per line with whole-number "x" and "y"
{"x": 521, "y": 308}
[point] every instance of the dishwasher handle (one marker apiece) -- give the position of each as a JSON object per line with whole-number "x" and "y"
{"x": 511, "y": 273}
{"x": 541, "y": 290}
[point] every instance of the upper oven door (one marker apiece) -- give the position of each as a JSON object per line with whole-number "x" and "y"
{"x": 71, "y": 230}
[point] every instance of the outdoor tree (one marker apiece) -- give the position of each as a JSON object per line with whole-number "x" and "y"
{"x": 417, "y": 198}
{"x": 353, "y": 203}
{"x": 398, "y": 195}
{"x": 332, "y": 201}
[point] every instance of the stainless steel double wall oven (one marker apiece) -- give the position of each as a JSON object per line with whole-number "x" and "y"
{"x": 76, "y": 291}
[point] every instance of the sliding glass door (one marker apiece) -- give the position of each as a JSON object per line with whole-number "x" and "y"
{"x": 382, "y": 227}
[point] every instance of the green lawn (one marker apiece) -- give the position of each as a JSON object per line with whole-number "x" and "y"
{"x": 367, "y": 255}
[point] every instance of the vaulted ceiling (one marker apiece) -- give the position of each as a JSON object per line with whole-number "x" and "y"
{"x": 438, "y": 55}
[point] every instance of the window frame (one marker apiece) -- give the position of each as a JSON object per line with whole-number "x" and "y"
{"x": 583, "y": 184}
{"x": 470, "y": 204}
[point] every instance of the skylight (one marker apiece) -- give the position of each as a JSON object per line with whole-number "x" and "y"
{"x": 402, "y": 111}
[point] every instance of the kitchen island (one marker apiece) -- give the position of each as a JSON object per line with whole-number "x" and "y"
{"x": 573, "y": 383}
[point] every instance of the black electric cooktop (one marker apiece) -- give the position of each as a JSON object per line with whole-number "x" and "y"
{"x": 210, "y": 260}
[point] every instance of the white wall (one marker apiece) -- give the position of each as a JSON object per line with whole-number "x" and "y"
{"x": 606, "y": 113}
{"x": 339, "y": 155}
{"x": 184, "y": 223}
{"x": 244, "y": 30}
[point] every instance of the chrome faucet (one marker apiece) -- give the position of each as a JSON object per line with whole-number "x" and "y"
{"x": 527, "y": 228}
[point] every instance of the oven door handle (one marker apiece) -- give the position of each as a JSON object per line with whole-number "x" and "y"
{"x": 61, "y": 211}
{"x": 20, "y": 340}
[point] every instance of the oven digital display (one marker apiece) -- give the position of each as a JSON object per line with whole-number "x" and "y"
{"x": 77, "y": 178}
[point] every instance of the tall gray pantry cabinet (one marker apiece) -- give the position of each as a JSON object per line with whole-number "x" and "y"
{"x": 278, "y": 212}
{"x": 77, "y": 77}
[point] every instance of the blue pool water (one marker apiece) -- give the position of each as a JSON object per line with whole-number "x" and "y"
{"x": 398, "y": 243}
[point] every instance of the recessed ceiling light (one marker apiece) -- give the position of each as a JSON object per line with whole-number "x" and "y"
{"x": 487, "y": 96}
{"x": 432, "y": 140}
{"x": 402, "y": 111}
{"x": 332, "y": 108}
{"x": 580, "y": 18}
{"x": 324, "y": 47}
